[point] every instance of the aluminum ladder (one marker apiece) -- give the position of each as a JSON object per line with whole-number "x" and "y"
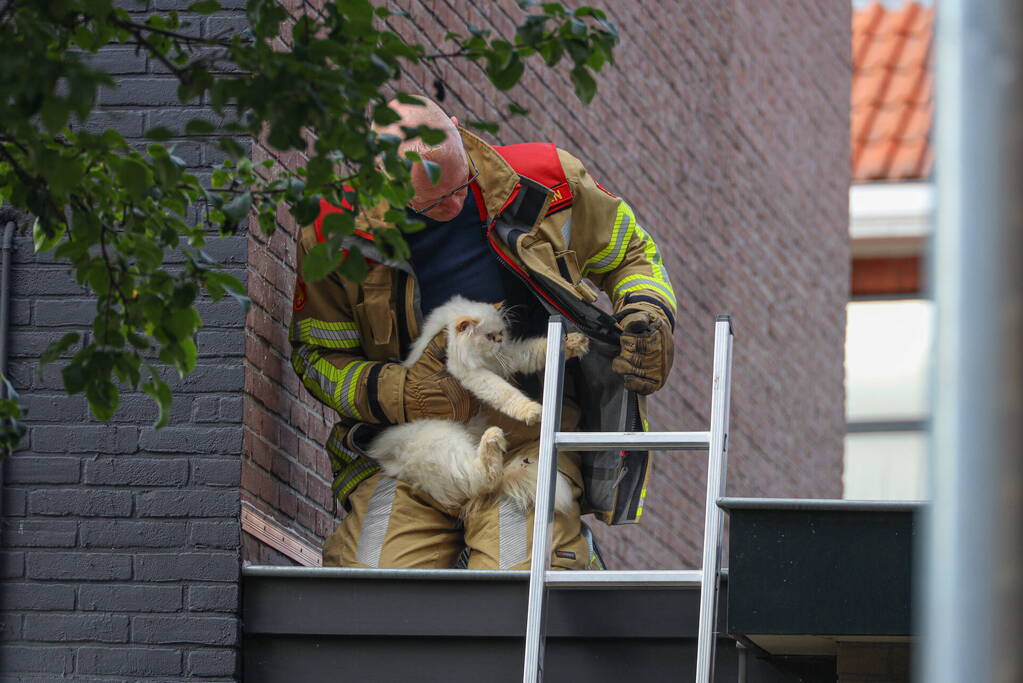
{"x": 715, "y": 441}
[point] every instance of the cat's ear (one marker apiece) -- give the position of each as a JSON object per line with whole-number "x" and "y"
{"x": 465, "y": 323}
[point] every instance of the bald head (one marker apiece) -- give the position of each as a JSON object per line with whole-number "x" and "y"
{"x": 449, "y": 155}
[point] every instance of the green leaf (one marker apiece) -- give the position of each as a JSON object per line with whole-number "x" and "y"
{"x": 354, "y": 267}
{"x": 319, "y": 171}
{"x": 552, "y": 53}
{"x": 432, "y": 136}
{"x": 306, "y": 210}
{"x": 166, "y": 172}
{"x": 54, "y": 113}
{"x": 585, "y": 86}
{"x": 160, "y": 392}
{"x": 74, "y": 377}
{"x": 182, "y": 323}
{"x": 432, "y": 169}
{"x": 103, "y": 398}
{"x": 189, "y": 355}
{"x": 488, "y": 126}
{"x": 320, "y": 262}
{"x": 359, "y": 11}
{"x": 267, "y": 222}
{"x": 57, "y": 348}
{"x": 342, "y": 223}
{"x": 159, "y": 133}
{"x": 514, "y": 109}
{"x": 40, "y": 239}
{"x": 237, "y": 209}
{"x": 204, "y": 7}
{"x": 134, "y": 176}
{"x": 384, "y": 115}
{"x": 199, "y": 127}
{"x": 590, "y": 12}
{"x": 394, "y": 244}
{"x": 406, "y": 98}
{"x": 64, "y": 174}
{"x": 507, "y": 77}
{"x": 138, "y": 341}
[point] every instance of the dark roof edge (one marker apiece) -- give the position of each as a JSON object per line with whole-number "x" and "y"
{"x": 361, "y": 573}
{"x": 821, "y": 504}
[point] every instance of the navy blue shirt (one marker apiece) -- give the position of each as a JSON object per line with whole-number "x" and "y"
{"x": 453, "y": 257}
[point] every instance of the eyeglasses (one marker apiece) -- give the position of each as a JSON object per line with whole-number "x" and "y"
{"x": 432, "y": 205}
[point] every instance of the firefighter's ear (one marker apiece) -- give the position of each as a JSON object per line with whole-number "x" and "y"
{"x": 465, "y": 323}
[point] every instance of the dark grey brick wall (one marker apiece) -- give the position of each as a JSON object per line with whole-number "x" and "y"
{"x": 121, "y": 544}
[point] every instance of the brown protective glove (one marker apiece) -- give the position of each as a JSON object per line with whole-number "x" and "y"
{"x": 646, "y": 352}
{"x": 431, "y": 392}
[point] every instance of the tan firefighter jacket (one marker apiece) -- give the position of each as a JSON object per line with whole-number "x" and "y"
{"x": 550, "y": 222}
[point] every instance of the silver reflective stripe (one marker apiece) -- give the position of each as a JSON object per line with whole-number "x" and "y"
{"x": 332, "y": 335}
{"x": 566, "y": 233}
{"x": 514, "y": 543}
{"x": 313, "y": 371}
{"x": 374, "y": 526}
{"x": 352, "y": 371}
{"x": 620, "y": 237}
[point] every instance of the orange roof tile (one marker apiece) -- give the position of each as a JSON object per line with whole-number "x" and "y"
{"x": 891, "y": 92}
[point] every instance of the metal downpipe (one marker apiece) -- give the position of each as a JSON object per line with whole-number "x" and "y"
{"x": 972, "y": 607}
{"x": 6, "y": 246}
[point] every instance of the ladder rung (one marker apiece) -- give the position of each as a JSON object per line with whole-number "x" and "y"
{"x": 613, "y": 579}
{"x": 675, "y": 441}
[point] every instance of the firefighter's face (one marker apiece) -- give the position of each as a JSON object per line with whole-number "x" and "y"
{"x": 442, "y": 201}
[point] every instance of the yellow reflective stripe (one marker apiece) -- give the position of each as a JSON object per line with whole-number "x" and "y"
{"x": 634, "y": 283}
{"x": 340, "y": 455}
{"x": 318, "y": 375}
{"x": 660, "y": 273}
{"x": 350, "y": 468}
{"x": 330, "y": 335}
{"x": 639, "y": 508}
{"x": 352, "y": 476}
{"x": 611, "y": 255}
{"x": 334, "y": 386}
{"x": 344, "y": 392}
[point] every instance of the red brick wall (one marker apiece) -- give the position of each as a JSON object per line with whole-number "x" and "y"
{"x": 726, "y": 127}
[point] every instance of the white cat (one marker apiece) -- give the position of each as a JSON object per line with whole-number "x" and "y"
{"x": 462, "y": 464}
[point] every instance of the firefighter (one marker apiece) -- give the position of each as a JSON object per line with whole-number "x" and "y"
{"x": 521, "y": 224}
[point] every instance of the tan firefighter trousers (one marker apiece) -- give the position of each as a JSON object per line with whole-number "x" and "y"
{"x": 393, "y": 525}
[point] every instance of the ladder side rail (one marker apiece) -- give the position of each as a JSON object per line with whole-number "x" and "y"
{"x": 714, "y": 516}
{"x": 543, "y": 509}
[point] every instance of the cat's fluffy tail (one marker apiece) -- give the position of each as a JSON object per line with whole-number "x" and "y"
{"x": 519, "y": 486}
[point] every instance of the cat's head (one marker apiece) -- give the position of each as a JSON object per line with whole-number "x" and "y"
{"x": 480, "y": 328}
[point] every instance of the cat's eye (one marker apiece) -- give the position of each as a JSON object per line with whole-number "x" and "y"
{"x": 495, "y": 337}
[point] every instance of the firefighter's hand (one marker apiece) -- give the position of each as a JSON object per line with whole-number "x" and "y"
{"x": 646, "y": 352}
{"x": 430, "y": 392}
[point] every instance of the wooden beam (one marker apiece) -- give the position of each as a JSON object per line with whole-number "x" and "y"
{"x": 267, "y": 530}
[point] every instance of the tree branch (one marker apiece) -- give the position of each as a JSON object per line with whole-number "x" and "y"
{"x": 136, "y": 28}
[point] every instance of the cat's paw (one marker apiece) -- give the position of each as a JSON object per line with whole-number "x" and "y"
{"x": 529, "y": 413}
{"x": 493, "y": 439}
{"x": 491, "y": 453}
{"x": 576, "y": 345}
